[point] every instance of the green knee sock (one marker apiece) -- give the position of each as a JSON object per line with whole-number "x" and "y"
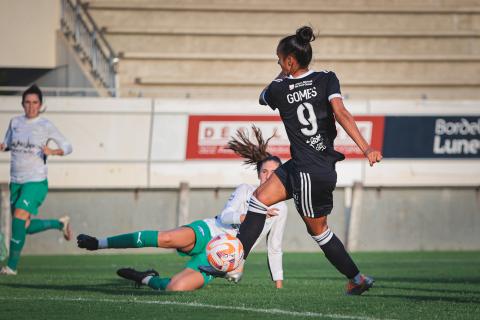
{"x": 158, "y": 283}
{"x": 138, "y": 239}
{"x": 16, "y": 242}
{"x": 38, "y": 225}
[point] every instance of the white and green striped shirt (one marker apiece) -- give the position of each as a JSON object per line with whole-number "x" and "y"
{"x": 25, "y": 138}
{"x": 228, "y": 221}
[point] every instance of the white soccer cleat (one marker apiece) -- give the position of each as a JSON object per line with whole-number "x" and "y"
{"x": 237, "y": 274}
{"x": 67, "y": 231}
{"x": 6, "y": 271}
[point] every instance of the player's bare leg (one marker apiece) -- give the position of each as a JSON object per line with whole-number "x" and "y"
{"x": 182, "y": 238}
{"x": 186, "y": 280}
{"x": 271, "y": 192}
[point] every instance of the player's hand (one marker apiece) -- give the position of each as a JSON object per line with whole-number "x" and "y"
{"x": 47, "y": 151}
{"x": 272, "y": 212}
{"x": 373, "y": 156}
{"x": 52, "y": 152}
{"x": 2, "y": 147}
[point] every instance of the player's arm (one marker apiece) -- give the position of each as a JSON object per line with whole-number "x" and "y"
{"x": 265, "y": 96}
{"x": 7, "y": 141}
{"x": 274, "y": 246}
{"x": 346, "y": 120}
{"x": 64, "y": 147}
{"x": 233, "y": 212}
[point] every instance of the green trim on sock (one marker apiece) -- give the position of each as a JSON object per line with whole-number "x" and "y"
{"x": 158, "y": 283}
{"x": 38, "y": 225}
{"x": 16, "y": 242}
{"x": 140, "y": 239}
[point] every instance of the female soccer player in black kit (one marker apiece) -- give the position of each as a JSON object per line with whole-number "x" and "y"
{"x": 309, "y": 102}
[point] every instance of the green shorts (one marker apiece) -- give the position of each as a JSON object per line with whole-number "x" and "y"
{"x": 28, "y": 196}
{"x": 198, "y": 253}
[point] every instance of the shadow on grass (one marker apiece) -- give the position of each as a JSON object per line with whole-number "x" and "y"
{"x": 384, "y": 283}
{"x": 432, "y": 280}
{"x": 452, "y": 291}
{"x": 417, "y": 298}
{"x": 436, "y": 280}
{"x": 314, "y": 278}
{"x": 114, "y": 288}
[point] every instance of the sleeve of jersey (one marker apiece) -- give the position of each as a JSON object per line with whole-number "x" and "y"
{"x": 59, "y": 140}
{"x": 232, "y": 211}
{"x": 8, "y": 137}
{"x": 333, "y": 87}
{"x": 266, "y": 98}
{"x": 274, "y": 244}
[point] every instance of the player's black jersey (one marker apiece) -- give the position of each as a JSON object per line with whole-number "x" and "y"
{"x": 304, "y": 105}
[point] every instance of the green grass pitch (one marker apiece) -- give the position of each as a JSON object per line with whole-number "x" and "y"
{"x": 418, "y": 285}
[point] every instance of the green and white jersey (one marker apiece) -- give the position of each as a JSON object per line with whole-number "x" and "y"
{"x": 25, "y": 138}
{"x": 228, "y": 221}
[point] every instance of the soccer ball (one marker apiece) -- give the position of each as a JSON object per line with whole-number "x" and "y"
{"x": 224, "y": 252}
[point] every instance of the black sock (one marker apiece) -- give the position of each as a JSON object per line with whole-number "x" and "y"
{"x": 252, "y": 226}
{"x": 336, "y": 253}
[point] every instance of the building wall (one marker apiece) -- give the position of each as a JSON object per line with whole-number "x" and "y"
{"x": 392, "y": 219}
{"x": 69, "y": 72}
{"x": 388, "y": 219}
{"x": 28, "y": 33}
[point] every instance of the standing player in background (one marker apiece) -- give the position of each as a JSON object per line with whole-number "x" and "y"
{"x": 309, "y": 102}
{"x": 192, "y": 239}
{"x": 27, "y": 138}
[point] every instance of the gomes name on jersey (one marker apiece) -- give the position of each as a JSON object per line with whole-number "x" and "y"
{"x": 298, "y": 96}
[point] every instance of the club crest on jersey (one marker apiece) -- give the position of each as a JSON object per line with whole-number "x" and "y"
{"x": 317, "y": 142}
{"x": 291, "y": 86}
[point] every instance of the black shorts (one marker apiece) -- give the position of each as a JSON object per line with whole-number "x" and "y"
{"x": 312, "y": 193}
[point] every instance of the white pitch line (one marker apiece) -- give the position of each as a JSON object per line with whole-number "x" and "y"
{"x": 198, "y": 305}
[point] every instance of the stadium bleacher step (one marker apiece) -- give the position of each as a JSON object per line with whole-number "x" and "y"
{"x": 324, "y": 45}
{"x": 317, "y": 58}
{"x": 227, "y": 70}
{"x": 281, "y": 23}
{"x": 377, "y": 46}
{"x": 310, "y": 6}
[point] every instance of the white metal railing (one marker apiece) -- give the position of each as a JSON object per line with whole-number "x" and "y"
{"x": 89, "y": 42}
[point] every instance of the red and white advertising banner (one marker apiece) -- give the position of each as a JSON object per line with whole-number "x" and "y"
{"x": 208, "y": 135}
{"x": 371, "y": 128}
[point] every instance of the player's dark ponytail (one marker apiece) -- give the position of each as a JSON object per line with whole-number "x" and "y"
{"x": 305, "y": 35}
{"x": 298, "y": 45}
{"x": 254, "y": 154}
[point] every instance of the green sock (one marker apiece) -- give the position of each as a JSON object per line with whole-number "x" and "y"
{"x": 37, "y": 225}
{"x": 140, "y": 239}
{"x": 17, "y": 242}
{"x": 158, "y": 283}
